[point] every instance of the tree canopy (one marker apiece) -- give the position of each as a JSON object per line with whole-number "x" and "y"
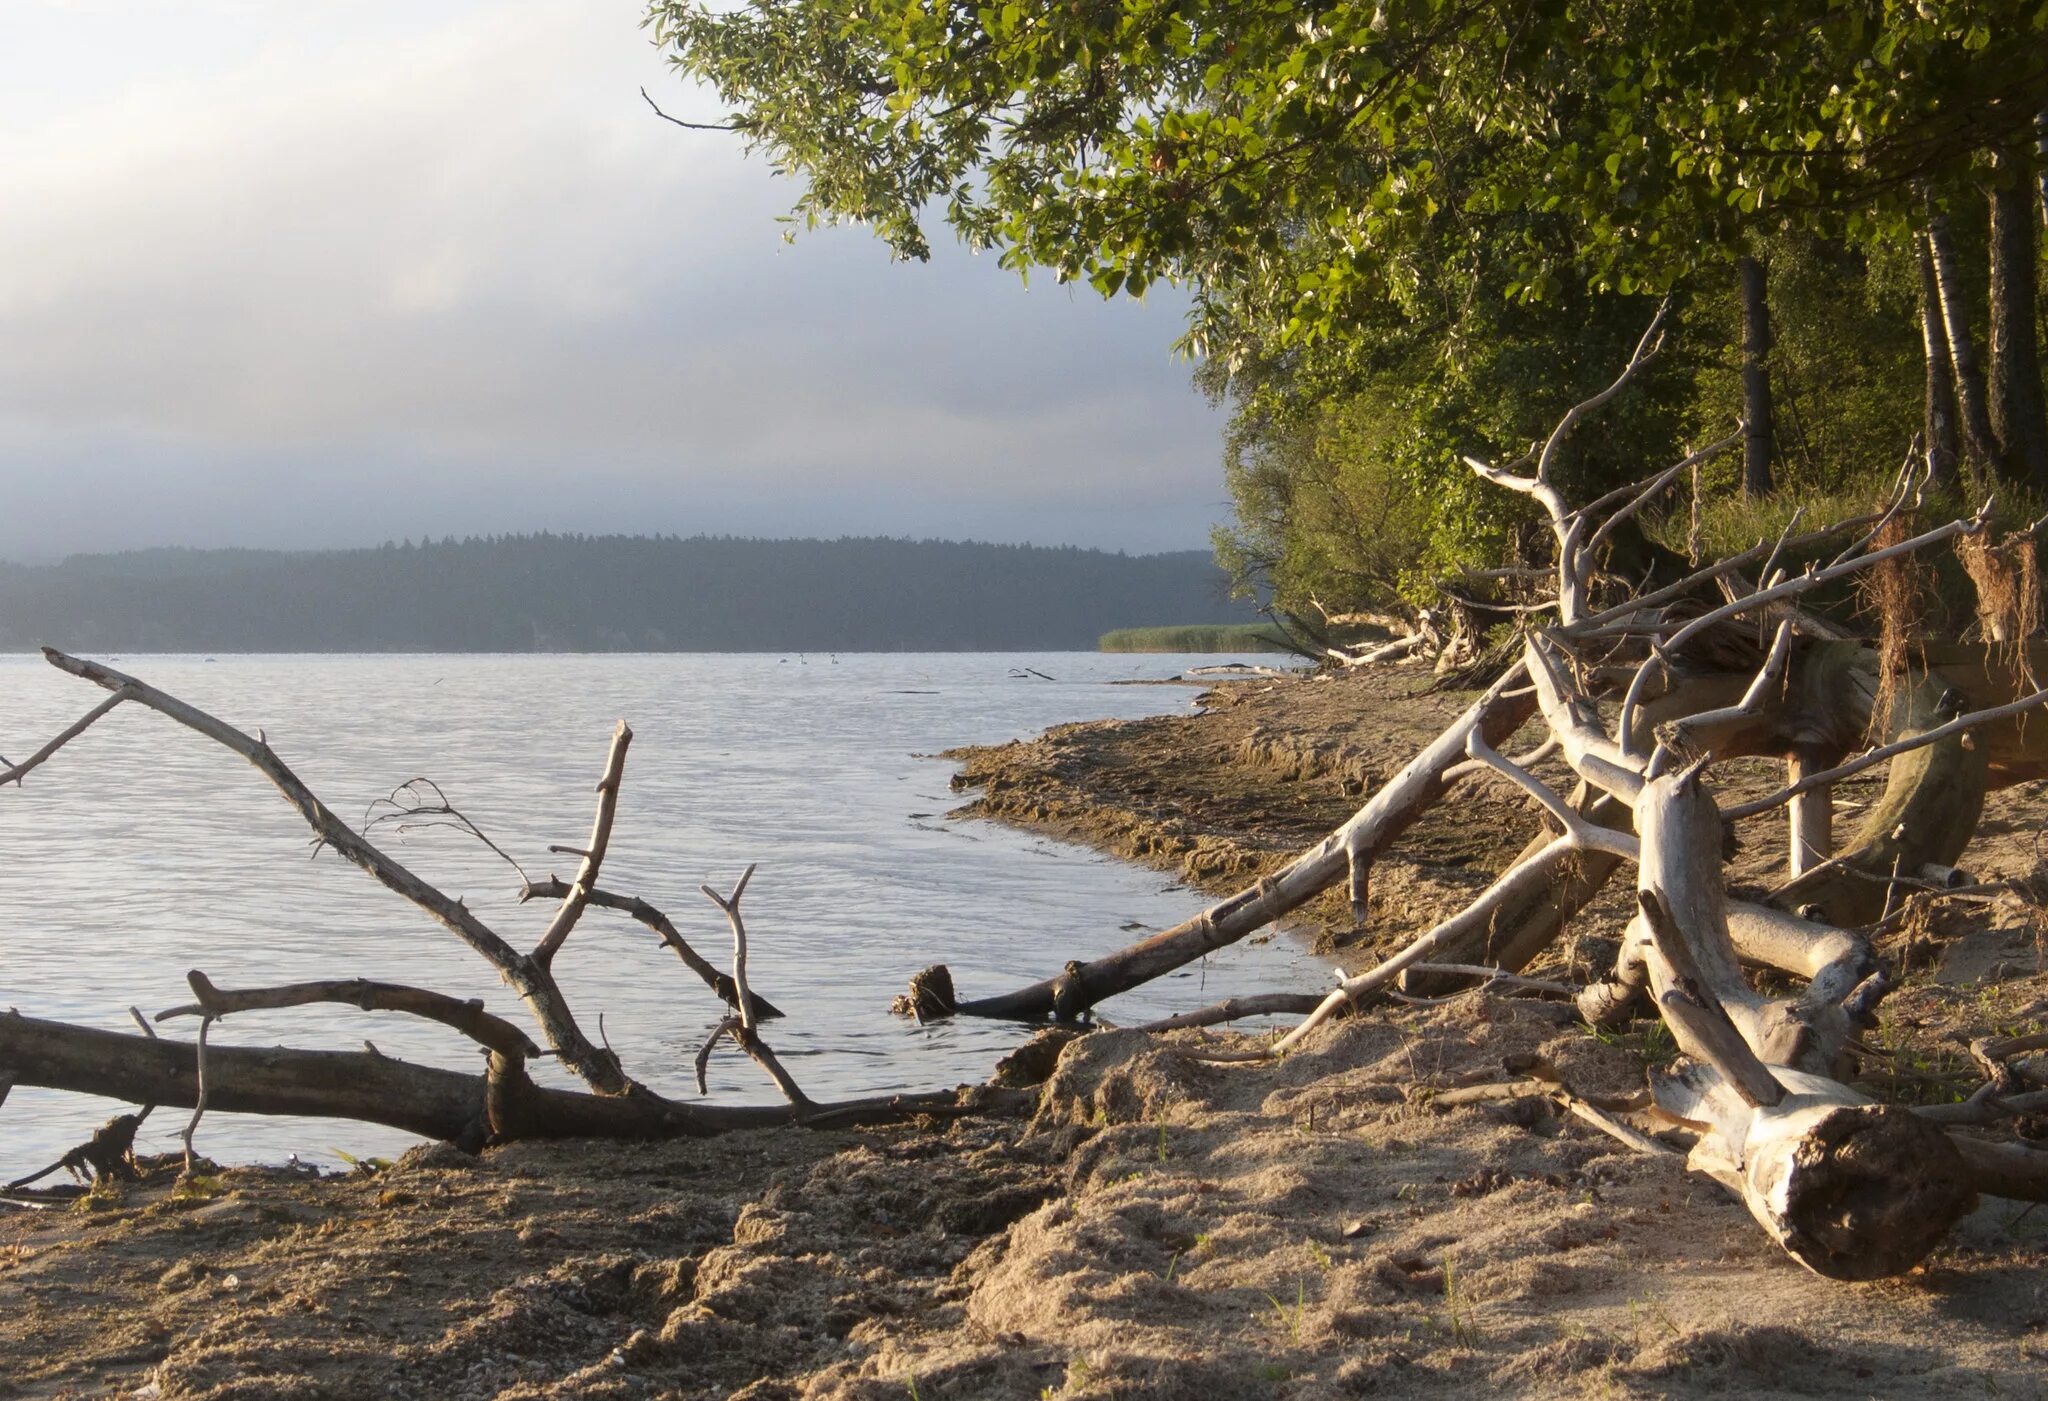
{"x": 1412, "y": 227}
{"x": 1289, "y": 159}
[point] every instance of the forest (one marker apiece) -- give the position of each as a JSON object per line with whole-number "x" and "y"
{"x": 584, "y": 593}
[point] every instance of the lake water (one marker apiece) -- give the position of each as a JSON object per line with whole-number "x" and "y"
{"x": 143, "y": 850}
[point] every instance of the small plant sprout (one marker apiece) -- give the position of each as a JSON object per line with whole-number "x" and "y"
{"x": 1290, "y": 1318}
{"x": 1457, "y": 1314}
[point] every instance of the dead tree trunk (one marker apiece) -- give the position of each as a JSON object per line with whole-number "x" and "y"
{"x": 378, "y": 1089}
{"x": 1758, "y": 423}
{"x": 500, "y": 1105}
{"x": 1346, "y": 853}
{"x": 1850, "y": 1189}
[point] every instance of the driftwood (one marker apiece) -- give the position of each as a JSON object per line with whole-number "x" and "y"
{"x": 1703, "y": 669}
{"x": 1346, "y": 854}
{"x": 379, "y": 1089}
{"x": 500, "y": 1104}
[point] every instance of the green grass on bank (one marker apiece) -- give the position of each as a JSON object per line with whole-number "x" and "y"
{"x": 1199, "y": 637}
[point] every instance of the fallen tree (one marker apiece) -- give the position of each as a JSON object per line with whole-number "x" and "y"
{"x": 501, "y": 1104}
{"x": 1703, "y": 669}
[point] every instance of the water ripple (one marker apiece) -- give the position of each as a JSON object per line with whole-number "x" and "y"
{"x": 142, "y": 851}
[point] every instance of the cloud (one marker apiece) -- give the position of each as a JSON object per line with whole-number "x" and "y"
{"x": 295, "y": 284}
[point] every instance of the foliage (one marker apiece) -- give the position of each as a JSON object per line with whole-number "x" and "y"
{"x": 1291, "y": 160}
{"x": 1419, "y": 228}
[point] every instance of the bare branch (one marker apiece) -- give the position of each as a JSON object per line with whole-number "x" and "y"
{"x": 409, "y": 811}
{"x": 468, "y": 1017}
{"x": 199, "y": 1106}
{"x": 535, "y": 985}
{"x": 731, "y": 905}
{"x": 70, "y": 732}
{"x": 721, "y": 984}
{"x": 689, "y": 126}
{"x": 1232, "y": 1009}
{"x": 1585, "y": 835}
{"x": 1814, "y": 578}
{"x": 1695, "y": 1014}
{"x": 1885, "y": 753}
{"x": 573, "y": 903}
{"x": 1515, "y": 883}
{"x": 1655, "y": 488}
{"x": 1905, "y": 488}
{"x": 1699, "y": 734}
{"x": 1591, "y": 754}
{"x": 741, "y": 1026}
{"x": 1646, "y": 349}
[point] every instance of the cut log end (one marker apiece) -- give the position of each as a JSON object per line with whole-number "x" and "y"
{"x": 1865, "y": 1192}
{"x": 930, "y": 996}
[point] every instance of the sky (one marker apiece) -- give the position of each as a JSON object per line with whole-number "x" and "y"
{"x": 290, "y": 275}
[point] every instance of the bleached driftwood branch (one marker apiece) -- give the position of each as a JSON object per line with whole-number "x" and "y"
{"x": 503, "y": 1104}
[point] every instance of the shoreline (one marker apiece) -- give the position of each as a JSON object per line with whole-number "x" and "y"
{"x": 1155, "y": 1226}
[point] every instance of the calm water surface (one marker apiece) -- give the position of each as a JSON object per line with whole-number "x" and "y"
{"x": 143, "y": 850}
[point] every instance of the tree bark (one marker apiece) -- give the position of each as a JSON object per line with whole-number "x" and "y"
{"x": 1939, "y": 433}
{"x": 2041, "y": 159}
{"x": 1758, "y": 426}
{"x": 1347, "y": 851}
{"x": 1974, "y": 417}
{"x": 378, "y": 1089}
{"x": 2019, "y": 421}
{"x": 1932, "y": 799}
{"x": 1810, "y": 818}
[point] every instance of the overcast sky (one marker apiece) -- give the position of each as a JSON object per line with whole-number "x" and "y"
{"x": 274, "y": 273}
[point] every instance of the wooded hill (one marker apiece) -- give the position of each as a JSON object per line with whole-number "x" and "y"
{"x": 552, "y": 592}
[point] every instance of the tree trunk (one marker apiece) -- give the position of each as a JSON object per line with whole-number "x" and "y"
{"x": 2041, "y": 159}
{"x": 2018, "y": 418}
{"x": 1939, "y": 435}
{"x": 1974, "y": 417}
{"x": 1932, "y": 798}
{"x": 1756, "y": 379}
{"x": 1348, "y": 851}
{"x": 1810, "y": 816}
{"x": 379, "y": 1089}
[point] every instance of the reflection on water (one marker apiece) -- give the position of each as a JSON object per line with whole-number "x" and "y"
{"x": 143, "y": 850}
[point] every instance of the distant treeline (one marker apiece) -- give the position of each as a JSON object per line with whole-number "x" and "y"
{"x": 552, "y": 592}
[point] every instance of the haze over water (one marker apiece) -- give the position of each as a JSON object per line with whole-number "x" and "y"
{"x": 143, "y": 850}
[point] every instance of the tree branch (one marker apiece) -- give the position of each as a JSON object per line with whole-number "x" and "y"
{"x": 468, "y": 1017}
{"x": 689, "y": 126}
{"x": 534, "y": 984}
{"x": 571, "y": 909}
